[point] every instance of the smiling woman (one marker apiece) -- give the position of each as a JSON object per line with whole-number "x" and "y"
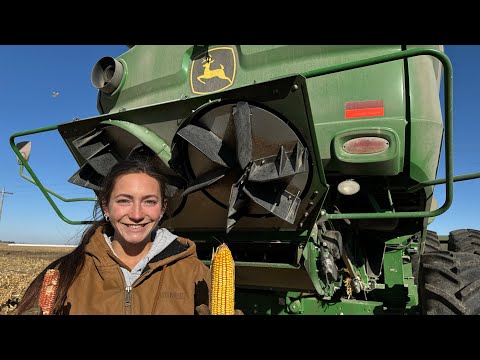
{"x": 125, "y": 263}
{"x": 134, "y": 208}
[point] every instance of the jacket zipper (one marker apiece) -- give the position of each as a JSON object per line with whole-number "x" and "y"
{"x": 128, "y": 300}
{"x": 128, "y": 292}
{"x": 128, "y": 295}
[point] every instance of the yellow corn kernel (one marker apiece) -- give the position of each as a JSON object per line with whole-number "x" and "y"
{"x": 222, "y": 294}
{"x": 48, "y": 291}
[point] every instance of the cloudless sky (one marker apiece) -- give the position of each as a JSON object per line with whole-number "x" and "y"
{"x": 30, "y": 76}
{"x": 32, "y": 73}
{"x": 463, "y": 213}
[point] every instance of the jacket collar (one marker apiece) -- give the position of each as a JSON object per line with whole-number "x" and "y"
{"x": 176, "y": 250}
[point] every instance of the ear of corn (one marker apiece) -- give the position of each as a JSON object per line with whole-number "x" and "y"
{"x": 222, "y": 299}
{"x": 48, "y": 291}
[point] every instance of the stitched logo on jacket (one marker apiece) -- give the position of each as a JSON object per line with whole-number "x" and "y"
{"x": 172, "y": 295}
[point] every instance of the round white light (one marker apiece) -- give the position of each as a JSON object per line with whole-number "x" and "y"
{"x": 348, "y": 187}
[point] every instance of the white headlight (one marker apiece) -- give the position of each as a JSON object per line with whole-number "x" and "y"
{"x": 348, "y": 187}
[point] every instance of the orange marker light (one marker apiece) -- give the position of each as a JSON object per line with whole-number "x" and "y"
{"x": 368, "y": 108}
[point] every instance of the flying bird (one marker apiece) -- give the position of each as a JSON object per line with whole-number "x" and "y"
{"x": 55, "y": 94}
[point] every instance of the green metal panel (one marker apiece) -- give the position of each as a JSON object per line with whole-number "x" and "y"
{"x": 294, "y": 303}
{"x": 156, "y": 78}
{"x": 426, "y": 130}
{"x": 385, "y": 82}
{"x": 159, "y": 78}
{"x": 396, "y": 293}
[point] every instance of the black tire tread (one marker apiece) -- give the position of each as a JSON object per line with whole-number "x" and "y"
{"x": 449, "y": 283}
{"x": 464, "y": 240}
{"x": 432, "y": 243}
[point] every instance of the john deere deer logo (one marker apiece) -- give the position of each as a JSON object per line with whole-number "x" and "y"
{"x": 213, "y": 70}
{"x": 209, "y": 73}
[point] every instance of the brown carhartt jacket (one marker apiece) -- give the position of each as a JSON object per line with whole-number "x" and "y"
{"x": 174, "y": 282}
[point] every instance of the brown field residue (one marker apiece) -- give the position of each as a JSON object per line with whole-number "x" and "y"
{"x": 19, "y": 265}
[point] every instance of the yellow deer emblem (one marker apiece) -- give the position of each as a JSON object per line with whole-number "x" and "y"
{"x": 208, "y": 73}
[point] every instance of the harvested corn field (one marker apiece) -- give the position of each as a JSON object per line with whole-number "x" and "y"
{"x": 19, "y": 265}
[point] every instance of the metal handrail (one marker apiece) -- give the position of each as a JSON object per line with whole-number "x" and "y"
{"x": 35, "y": 179}
{"x": 448, "y": 102}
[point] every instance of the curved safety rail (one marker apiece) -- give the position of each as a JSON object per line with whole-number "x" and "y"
{"x": 448, "y": 101}
{"x": 37, "y": 182}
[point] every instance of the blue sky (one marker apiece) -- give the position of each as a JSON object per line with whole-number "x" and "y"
{"x": 32, "y": 73}
{"x": 466, "y": 129}
{"x": 30, "y": 76}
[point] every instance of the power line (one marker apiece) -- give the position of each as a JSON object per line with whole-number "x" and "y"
{"x": 1, "y": 202}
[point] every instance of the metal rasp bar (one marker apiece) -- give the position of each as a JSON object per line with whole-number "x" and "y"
{"x": 284, "y": 164}
{"x": 208, "y": 144}
{"x": 97, "y": 151}
{"x": 87, "y": 177}
{"x": 204, "y": 181}
{"x": 86, "y": 138}
{"x": 236, "y": 203}
{"x": 103, "y": 161}
{"x": 281, "y": 203}
{"x": 91, "y": 145}
{"x": 243, "y": 131}
{"x": 301, "y": 157}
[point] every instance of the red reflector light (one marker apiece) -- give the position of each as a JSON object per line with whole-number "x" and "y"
{"x": 367, "y": 108}
{"x": 366, "y": 145}
{"x": 358, "y": 113}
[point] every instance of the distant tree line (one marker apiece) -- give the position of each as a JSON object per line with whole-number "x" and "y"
{"x": 7, "y": 242}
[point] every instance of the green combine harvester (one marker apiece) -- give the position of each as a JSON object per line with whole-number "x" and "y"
{"x": 315, "y": 164}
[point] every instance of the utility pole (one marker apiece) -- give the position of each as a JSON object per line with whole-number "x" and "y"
{"x": 1, "y": 201}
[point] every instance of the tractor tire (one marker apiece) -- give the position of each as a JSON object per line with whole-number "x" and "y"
{"x": 449, "y": 283}
{"x": 432, "y": 243}
{"x": 464, "y": 240}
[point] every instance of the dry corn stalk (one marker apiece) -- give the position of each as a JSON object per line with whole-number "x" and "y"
{"x": 222, "y": 299}
{"x": 48, "y": 291}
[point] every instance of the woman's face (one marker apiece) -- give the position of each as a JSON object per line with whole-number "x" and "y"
{"x": 135, "y": 207}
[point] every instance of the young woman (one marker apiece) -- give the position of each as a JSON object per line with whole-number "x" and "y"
{"x": 125, "y": 263}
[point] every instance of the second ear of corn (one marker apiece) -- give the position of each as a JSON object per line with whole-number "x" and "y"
{"x": 48, "y": 291}
{"x": 222, "y": 294}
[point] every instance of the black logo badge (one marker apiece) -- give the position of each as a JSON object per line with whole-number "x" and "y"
{"x": 213, "y": 70}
